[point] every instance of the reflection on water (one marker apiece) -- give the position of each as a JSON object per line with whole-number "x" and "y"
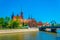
{"x": 46, "y": 36}
{"x": 28, "y": 36}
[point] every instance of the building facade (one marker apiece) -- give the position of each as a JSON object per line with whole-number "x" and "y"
{"x": 30, "y": 22}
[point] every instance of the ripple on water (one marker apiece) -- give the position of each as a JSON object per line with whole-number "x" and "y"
{"x": 28, "y": 36}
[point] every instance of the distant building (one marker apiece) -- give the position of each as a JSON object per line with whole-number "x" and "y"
{"x": 31, "y": 22}
{"x": 18, "y": 18}
{"x": 46, "y": 24}
{"x": 39, "y": 24}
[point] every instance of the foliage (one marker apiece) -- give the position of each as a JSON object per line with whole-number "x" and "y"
{"x": 15, "y": 24}
{"x": 53, "y": 22}
{"x": 6, "y": 22}
{"x": 1, "y": 22}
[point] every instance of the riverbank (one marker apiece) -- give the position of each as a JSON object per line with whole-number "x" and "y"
{"x": 18, "y": 30}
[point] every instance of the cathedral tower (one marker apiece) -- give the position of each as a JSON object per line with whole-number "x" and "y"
{"x": 21, "y": 14}
{"x": 12, "y": 15}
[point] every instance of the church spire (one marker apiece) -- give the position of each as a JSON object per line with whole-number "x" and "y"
{"x": 21, "y": 13}
{"x": 12, "y": 15}
{"x": 17, "y": 15}
{"x": 29, "y": 17}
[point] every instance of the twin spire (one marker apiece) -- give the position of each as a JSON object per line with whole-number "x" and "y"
{"x": 21, "y": 14}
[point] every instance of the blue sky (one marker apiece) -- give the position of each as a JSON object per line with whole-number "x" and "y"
{"x": 41, "y": 10}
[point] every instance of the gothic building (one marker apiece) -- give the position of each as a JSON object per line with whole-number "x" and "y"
{"x": 18, "y": 18}
{"x": 31, "y": 22}
{"x": 39, "y": 24}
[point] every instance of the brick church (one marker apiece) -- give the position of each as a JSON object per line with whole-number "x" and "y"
{"x": 30, "y": 21}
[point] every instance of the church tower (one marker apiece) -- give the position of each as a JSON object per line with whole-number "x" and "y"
{"x": 21, "y": 14}
{"x": 12, "y": 15}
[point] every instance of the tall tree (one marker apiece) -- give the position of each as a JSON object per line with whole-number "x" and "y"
{"x": 6, "y": 21}
{"x": 1, "y": 22}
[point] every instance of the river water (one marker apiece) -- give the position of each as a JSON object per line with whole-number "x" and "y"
{"x": 29, "y": 36}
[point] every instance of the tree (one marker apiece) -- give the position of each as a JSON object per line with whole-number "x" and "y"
{"x": 15, "y": 24}
{"x": 53, "y": 22}
{"x": 6, "y": 22}
{"x": 7, "y": 19}
{"x": 1, "y": 22}
{"x": 10, "y": 23}
{"x": 25, "y": 25}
